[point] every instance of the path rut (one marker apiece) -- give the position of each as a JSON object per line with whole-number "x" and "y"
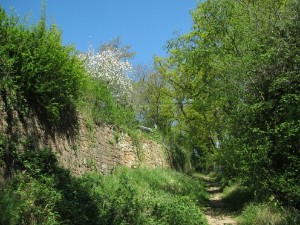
{"x": 217, "y": 212}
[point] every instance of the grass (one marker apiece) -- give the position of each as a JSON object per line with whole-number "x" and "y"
{"x": 242, "y": 201}
{"x": 147, "y": 196}
{"x": 42, "y": 192}
{"x": 268, "y": 213}
{"x": 236, "y": 196}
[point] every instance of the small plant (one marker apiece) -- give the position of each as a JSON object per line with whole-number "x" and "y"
{"x": 75, "y": 147}
{"x": 111, "y": 142}
{"x": 117, "y": 136}
{"x": 91, "y": 163}
{"x": 89, "y": 125}
{"x": 137, "y": 142}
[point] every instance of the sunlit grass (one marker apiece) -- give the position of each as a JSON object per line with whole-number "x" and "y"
{"x": 266, "y": 213}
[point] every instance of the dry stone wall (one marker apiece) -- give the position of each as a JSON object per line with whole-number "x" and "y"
{"x": 91, "y": 148}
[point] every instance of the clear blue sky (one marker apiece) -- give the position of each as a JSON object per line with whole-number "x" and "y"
{"x": 146, "y": 25}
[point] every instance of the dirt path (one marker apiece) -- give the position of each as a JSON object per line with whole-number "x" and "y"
{"x": 217, "y": 212}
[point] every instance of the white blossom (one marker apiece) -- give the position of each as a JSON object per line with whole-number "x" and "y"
{"x": 108, "y": 66}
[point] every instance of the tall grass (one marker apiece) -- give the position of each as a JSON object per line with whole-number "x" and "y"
{"x": 253, "y": 211}
{"x": 267, "y": 213}
{"x": 147, "y": 196}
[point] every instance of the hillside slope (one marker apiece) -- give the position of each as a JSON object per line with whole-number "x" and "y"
{"x": 86, "y": 147}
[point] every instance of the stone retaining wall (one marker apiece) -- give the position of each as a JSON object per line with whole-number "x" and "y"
{"x": 91, "y": 148}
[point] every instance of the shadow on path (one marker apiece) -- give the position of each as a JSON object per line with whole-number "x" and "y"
{"x": 217, "y": 212}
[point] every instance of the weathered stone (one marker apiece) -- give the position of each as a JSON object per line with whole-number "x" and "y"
{"x": 74, "y": 151}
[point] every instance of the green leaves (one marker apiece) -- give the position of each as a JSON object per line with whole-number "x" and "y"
{"x": 233, "y": 83}
{"x": 44, "y": 72}
{"x": 146, "y": 196}
{"x": 99, "y": 104}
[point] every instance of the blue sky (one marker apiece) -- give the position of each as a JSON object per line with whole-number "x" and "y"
{"x": 146, "y": 25}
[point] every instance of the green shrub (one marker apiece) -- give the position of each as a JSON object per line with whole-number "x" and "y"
{"x": 37, "y": 69}
{"x": 42, "y": 192}
{"x": 99, "y": 104}
{"x": 25, "y": 200}
{"x": 179, "y": 210}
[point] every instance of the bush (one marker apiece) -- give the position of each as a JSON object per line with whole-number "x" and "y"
{"x": 36, "y": 69}
{"x": 26, "y": 200}
{"x": 41, "y": 192}
{"x": 99, "y": 104}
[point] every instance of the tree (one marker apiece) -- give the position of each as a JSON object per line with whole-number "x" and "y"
{"x": 111, "y": 65}
{"x": 234, "y": 85}
{"x": 154, "y": 103}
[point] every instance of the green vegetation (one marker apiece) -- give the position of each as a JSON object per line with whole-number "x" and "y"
{"x": 227, "y": 96}
{"x": 39, "y": 74}
{"x": 44, "y": 193}
{"x": 262, "y": 214}
{"x": 225, "y": 99}
{"x": 98, "y": 104}
{"x": 37, "y": 71}
{"x": 236, "y": 196}
{"x": 147, "y": 196}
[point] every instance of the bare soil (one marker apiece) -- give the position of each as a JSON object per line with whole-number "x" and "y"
{"x": 217, "y": 212}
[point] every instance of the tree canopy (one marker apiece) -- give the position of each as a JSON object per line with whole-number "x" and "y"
{"x": 233, "y": 82}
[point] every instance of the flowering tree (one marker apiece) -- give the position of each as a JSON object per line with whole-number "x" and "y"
{"x": 110, "y": 66}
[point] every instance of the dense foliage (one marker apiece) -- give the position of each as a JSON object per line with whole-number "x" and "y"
{"x": 37, "y": 70}
{"x": 234, "y": 86}
{"x": 147, "y": 196}
{"x": 226, "y": 98}
{"x": 44, "y": 193}
{"x": 39, "y": 74}
{"x": 99, "y": 105}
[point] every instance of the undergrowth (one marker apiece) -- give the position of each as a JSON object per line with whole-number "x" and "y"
{"x": 101, "y": 107}
{"x": 41, "y": 192}
{"x": 256, "y": 211}
{"x": 268, "y": 213}
{"x": 147, "y": 196}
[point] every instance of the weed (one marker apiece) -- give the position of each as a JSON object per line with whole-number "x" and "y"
{"x": 136, "y": 137}
{"x": 91, "y": 163}
{"x": 147, "y": 196}
{"x": 266, "y": 213}
{"x": 75, "y": 147}
{"x": 117, "y": 136}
